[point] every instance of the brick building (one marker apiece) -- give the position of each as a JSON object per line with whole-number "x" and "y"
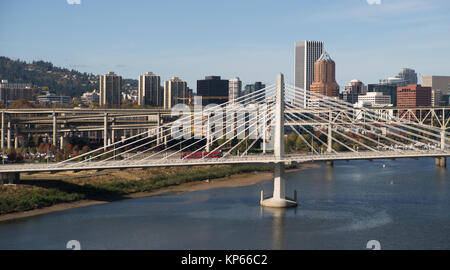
{"x": 413, "y": 95}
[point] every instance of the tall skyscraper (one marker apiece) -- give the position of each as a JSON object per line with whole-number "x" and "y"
{"x": 110, "y": 89}
{"x": 405, "y": 77}
{"x": 234, "y": 89}
{"x": 175, "y": 92}
{"x": 213, "y": 90}
{"x": 149, "y": 90}
{"x": 324, "y": 78}
{"x": 409, "y": 76}
{"x": 306, "y": 53}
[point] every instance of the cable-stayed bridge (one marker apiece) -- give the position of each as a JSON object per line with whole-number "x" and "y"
{"x": 211, "y": 135}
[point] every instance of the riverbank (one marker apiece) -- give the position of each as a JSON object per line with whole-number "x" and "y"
{"x": 45, "y": 193}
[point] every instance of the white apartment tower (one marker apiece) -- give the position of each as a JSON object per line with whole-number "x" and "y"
{"x": 306, "y": 53}
{"x": 234, "y": 89}
{"x": 175, "y": 91}
{"x": 110, "y": 89}
{"x": 149, "y": 90}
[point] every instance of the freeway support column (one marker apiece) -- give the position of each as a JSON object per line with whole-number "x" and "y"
{"x": 149, "y": 130}
{"x": 105, "y": 130}
{"x": 61, "y": 143}
{"x": 3, "y": 131}
{"x": 165, "y": 132}
{"x": 158, "y": 129}
{"x": 8, "y": 135}
{"x": 54, "y": 130}
{"x": 113, "y": 133}
{"x": 279, "y": 198}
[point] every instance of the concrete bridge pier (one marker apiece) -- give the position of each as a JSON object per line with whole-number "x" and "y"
{"x": 279, "y": 199}
{"x": 329, "y": 163}
{"x": 9, "y": 178}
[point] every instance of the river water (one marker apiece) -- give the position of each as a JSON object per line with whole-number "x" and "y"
{"x": 403, "y": 205}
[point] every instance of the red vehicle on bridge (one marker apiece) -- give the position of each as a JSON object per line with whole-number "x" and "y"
{"x": 200, "y": 155}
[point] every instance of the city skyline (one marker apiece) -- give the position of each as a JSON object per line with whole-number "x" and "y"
{"x": 350, "y": 30}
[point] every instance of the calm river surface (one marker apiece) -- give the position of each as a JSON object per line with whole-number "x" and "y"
{"x": 405, "y": 205}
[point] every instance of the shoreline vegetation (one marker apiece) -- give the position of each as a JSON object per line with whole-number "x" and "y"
{"x": 45, "y": 193}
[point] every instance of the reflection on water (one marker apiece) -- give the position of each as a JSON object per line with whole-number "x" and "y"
{"x": 278, "y": 220}
{"x": 329, "y": 173}
{"x": 404, "y": 205}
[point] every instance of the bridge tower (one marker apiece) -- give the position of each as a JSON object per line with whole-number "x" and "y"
{"x": 279, "y": 198}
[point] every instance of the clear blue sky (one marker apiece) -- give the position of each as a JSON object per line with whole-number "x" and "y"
{"x": 252, "y": 39}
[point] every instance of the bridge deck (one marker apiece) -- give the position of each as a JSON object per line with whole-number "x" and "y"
{"x": 250, "y": 159}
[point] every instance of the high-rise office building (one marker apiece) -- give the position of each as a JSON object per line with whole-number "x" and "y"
{"x": 440, "y": 85}
{"x": 251, "y": 88}
{"x": 386, "y": 89}
{"x": 234, "y": 89}
{"x": 306, "y": 54}
{"x": 353, "y": 90}
{"x": 405, "y": 77}
{"x": 436, "y": 97}
{"x": 110, "y": 89}
{"x": 408, "y": 75}
{"x": 324, "y": 79}
{"x": 213, "y": 90}
{"x": 175, "y": 92}
{"x": 413, "y": 96}
{"x": 389, "y": 86}
{"x": 150, "y": 90}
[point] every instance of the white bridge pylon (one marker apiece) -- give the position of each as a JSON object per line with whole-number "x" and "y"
{"x": 228, "y": 133}
{"x": 279, "y": 198}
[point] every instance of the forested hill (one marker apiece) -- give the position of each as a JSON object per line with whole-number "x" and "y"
{"x": 41, "y": 74}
